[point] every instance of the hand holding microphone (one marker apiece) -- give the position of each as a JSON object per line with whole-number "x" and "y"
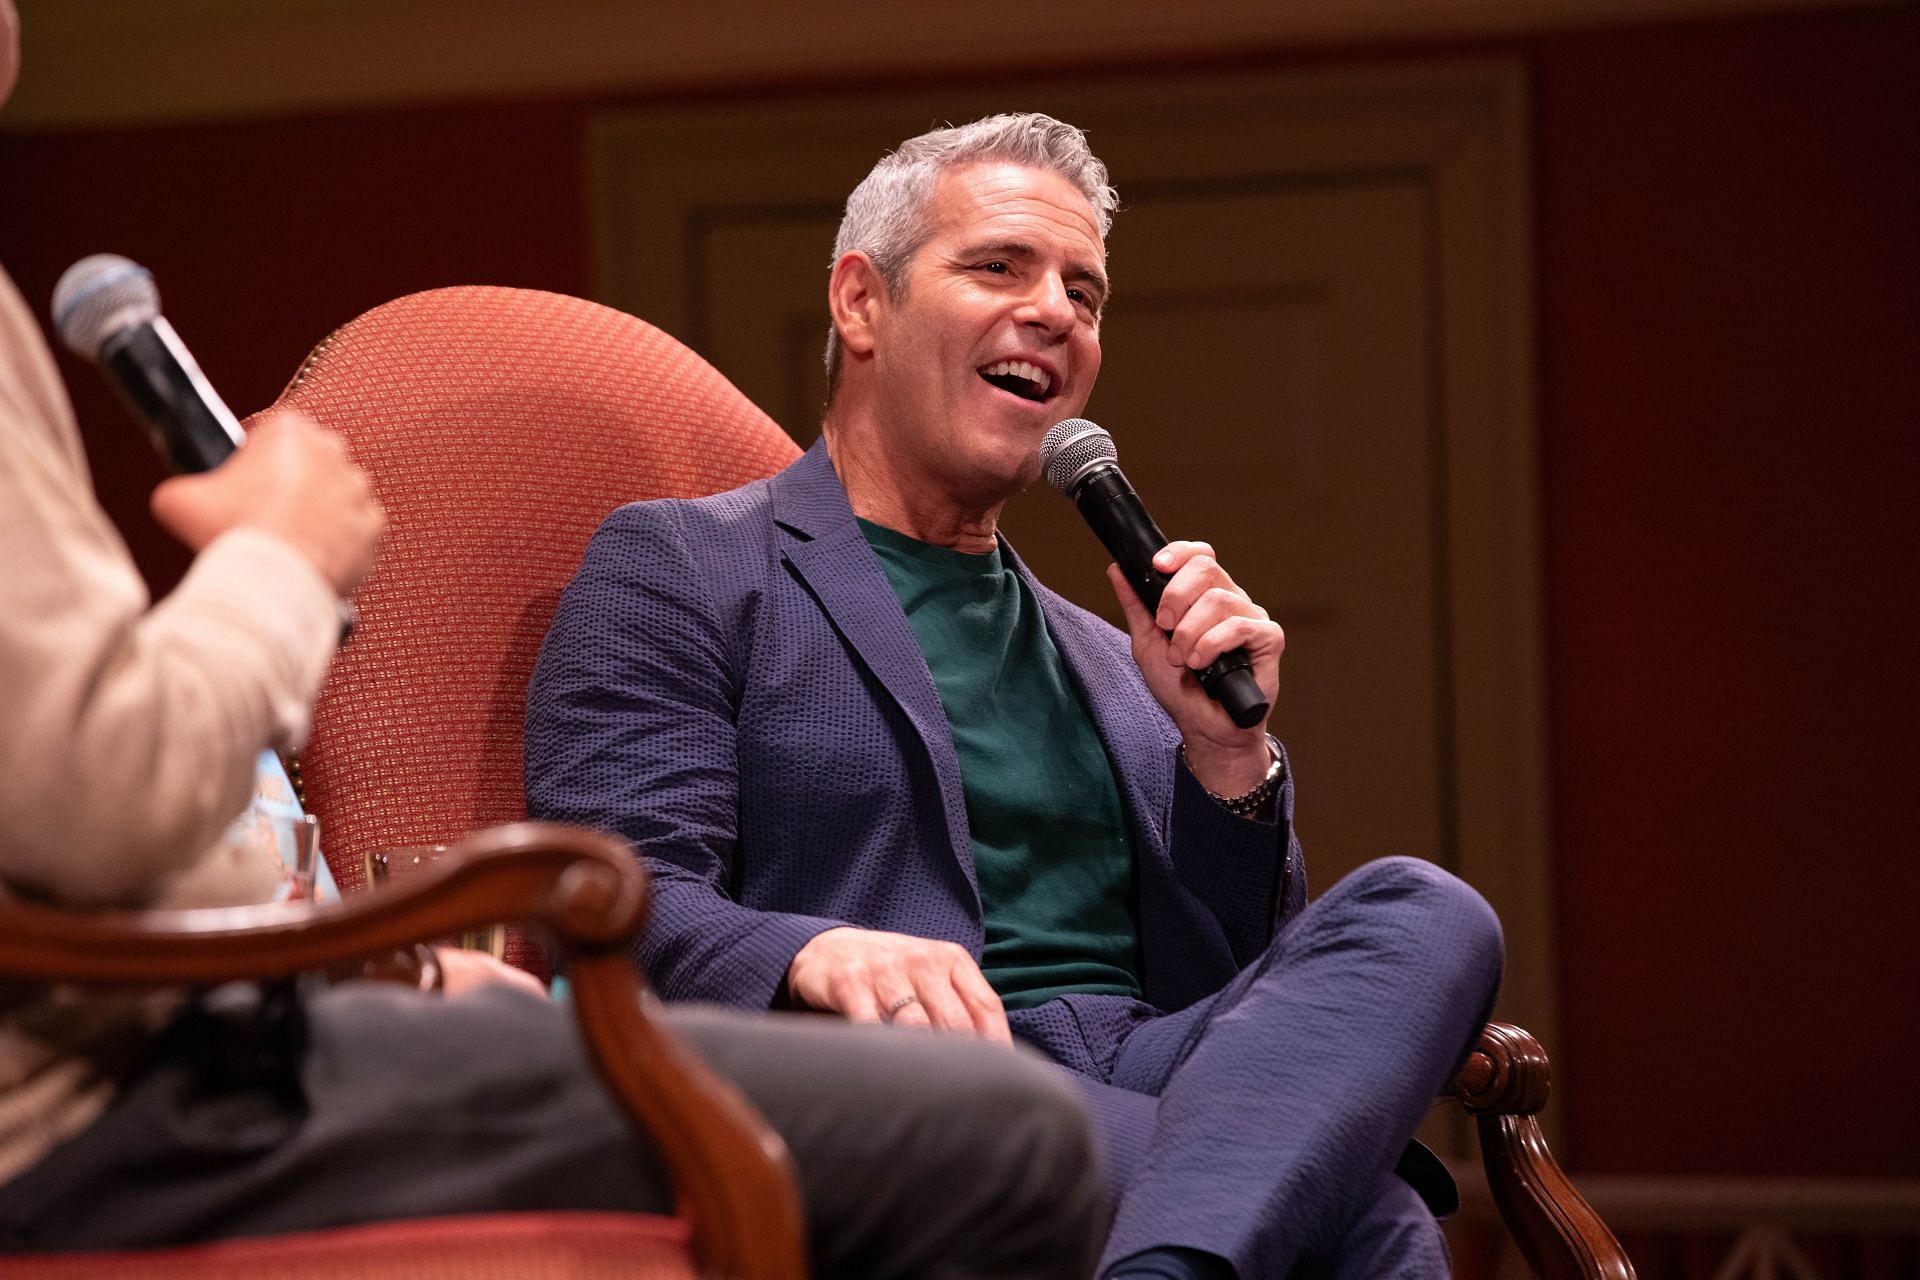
{"x": 1184, "y": 612}
{"x": 292, "y": 479}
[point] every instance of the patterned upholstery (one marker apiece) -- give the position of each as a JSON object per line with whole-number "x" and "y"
{"x": 548, "y": 1246}
{"x": 500, "y": 427}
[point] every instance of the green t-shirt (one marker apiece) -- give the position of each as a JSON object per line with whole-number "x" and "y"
{"x": 1051, "y": 850}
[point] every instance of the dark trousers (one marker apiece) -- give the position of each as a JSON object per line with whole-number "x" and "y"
{"x": 918, "y": 1155}
{"x": 1265, "y": 1124}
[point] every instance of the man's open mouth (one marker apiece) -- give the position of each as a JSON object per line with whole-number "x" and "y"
{"x": 1028, "y": 381}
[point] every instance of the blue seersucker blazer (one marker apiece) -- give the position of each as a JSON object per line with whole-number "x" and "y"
{"x": 730, "y": 683}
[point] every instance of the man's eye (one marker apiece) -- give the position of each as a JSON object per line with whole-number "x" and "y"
{"x": 998, "y": 268}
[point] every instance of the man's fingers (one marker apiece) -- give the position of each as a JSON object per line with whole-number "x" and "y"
{"x": 982, "y": 1001}
{"x": 853, "y": 997}
{"x": 182, "y": 506}
{"x": 293, "y": 480}
{"x": 462, "y": 971}
{"x": 868, "y": 976}
{"x": 1197, "y": 576}
{"x": 1256, "y": 635}
{"x": 282, "y": 421}
{"x": 911, "y": 1014}
{"x": 1191, "y": 567}
{"x": 901, "y": 984}
{"x": 941, "y": 1004}
{"x": 1169, "y": 558}
{"x": 1217, "y": 607}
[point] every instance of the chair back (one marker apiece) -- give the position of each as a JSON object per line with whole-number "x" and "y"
{"x": 500, "y": 426}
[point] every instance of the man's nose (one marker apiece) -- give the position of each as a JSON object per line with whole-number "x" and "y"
{"x": 1047, "y": 305}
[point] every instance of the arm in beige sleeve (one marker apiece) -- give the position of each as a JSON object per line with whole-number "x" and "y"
{"x": 128, "y": 733}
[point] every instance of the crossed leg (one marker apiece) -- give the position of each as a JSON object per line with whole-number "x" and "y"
{"x": 1262, "y": 1126}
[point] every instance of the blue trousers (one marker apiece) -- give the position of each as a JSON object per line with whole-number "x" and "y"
{"x": 1264, "y": 1123}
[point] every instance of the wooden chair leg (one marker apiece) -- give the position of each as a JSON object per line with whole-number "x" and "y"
{"x": 1504, "y": 1086}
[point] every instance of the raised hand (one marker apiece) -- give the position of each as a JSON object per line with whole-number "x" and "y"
{"x": 1207, "y": 614}
{"x": 293, "y": 480}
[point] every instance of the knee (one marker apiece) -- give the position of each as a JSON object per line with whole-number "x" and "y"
{"x": 1438, "y": 913}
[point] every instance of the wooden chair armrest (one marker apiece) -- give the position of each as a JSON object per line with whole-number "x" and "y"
{"x": 1504, "y": 1086}
{"x": 1507, "y": 1074}
{"x": 731, "y": 1170}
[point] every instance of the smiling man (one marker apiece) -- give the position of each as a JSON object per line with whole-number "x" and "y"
{"x": 964, "y": 355}
{"x": 877, "y": 769}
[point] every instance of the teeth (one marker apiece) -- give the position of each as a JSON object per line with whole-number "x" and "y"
{"x": 1021, "y": 369}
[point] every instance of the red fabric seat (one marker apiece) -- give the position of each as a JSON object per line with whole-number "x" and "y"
{"x": 502, "y": 1246}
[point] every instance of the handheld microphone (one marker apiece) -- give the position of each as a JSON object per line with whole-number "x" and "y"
{"x": 1079, "y": 459}
{"x": 106, "y": 309}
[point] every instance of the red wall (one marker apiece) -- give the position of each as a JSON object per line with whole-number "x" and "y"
{"x": 1727, "y": 280}
{"x": 1730, "y": 301}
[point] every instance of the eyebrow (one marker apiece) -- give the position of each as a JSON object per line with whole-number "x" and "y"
{"x": 1079, "y": 271}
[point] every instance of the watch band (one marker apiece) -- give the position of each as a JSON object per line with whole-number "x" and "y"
{"x": 1247, "y": 804}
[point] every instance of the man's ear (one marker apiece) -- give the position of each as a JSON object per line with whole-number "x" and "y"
{"x": 856, "y": 294}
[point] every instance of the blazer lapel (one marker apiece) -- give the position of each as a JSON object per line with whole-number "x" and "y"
{"x": 824, "y": 544}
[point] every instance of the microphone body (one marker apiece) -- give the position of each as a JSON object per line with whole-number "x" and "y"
{"x": 161, "y": 385}
{"x": 1120, "y": 520}
{"x": 1083, "y": 465}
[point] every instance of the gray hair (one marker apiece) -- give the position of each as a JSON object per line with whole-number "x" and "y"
{"x": 886, "y": 216}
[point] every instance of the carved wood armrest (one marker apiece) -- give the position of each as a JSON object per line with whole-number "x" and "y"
{"x": 1504, "y": 1085}
{"x": 1507, "y": 1074}
{"x": 732, "y": 1171}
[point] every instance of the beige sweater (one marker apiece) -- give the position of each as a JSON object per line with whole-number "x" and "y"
{"x": 127, "y": 734}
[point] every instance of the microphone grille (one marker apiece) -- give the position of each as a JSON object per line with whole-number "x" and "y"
{"x": 99, "y": 297}
{"x": 1070, "y": 447}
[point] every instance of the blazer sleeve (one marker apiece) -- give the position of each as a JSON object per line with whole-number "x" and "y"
{"x": 1250, "y": 875}
{"x": 631, "y": 729}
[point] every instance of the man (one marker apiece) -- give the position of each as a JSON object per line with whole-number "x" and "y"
{"x": 877, "y": 769}
{"x": 127, "y": 741}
